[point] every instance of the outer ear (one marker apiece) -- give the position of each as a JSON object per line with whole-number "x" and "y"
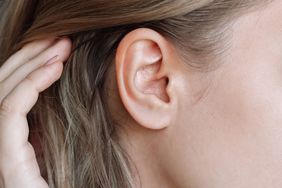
{"x": 144, "y": 69}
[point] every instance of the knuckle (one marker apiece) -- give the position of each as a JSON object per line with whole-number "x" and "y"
{"x": 30, "y": 84}
{"x": 28, "y": 152}
{"x": 6, "y": 107}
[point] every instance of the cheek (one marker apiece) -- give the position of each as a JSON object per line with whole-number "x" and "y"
{"x": 233, "y": 137}
{"x": 235, "y": 132}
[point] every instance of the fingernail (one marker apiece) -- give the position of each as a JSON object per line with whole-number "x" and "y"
{"x": 52, "y": 60}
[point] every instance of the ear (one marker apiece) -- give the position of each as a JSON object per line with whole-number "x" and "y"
{"x": 146, "y": 67}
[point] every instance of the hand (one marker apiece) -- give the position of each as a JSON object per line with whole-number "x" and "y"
{"x": 22, "y": 77}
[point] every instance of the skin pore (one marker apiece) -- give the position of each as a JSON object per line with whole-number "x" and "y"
{"x": 231, "y": 137}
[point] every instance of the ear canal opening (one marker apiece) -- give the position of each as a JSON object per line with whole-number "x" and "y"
{"x": 147, "y": 82}
{"x": 158, "y": 88}
{"x": 167, "y": 99}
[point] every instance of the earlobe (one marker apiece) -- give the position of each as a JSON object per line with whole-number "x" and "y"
{"x": 142, "y": 79}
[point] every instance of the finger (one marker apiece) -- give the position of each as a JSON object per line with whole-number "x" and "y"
{"x": 24, "y": 95}
{"x": 17, "y": 160}
{"x": 14, "y": 108}
{"x": 28, "y": 52}
{"x": 19, "y": 166}
{"x": 62, "y": 48}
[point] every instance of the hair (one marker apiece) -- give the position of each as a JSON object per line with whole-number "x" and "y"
{"x": 78, "y": 136}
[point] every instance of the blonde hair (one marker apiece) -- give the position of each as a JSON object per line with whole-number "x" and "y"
{"x": 78, "y": 136}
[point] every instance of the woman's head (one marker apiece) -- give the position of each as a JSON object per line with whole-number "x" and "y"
{"x": 141, "y": 92}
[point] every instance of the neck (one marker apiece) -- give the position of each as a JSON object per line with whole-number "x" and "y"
{"x": 147, "y": 169}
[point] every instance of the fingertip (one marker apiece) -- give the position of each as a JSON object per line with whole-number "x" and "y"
{"x": 64, "y": 48}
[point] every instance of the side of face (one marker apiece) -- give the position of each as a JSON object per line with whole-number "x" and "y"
{"x": 233, "y": 136}
{"x": 212, "y": 129}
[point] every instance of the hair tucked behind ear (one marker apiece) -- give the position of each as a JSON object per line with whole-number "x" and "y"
{"x": 79, "y": 140}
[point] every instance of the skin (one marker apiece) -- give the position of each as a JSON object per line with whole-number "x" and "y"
{"x": 181, "y": 128}
{"x": 23, "y": 76}
{"x": 218, "y": 129}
